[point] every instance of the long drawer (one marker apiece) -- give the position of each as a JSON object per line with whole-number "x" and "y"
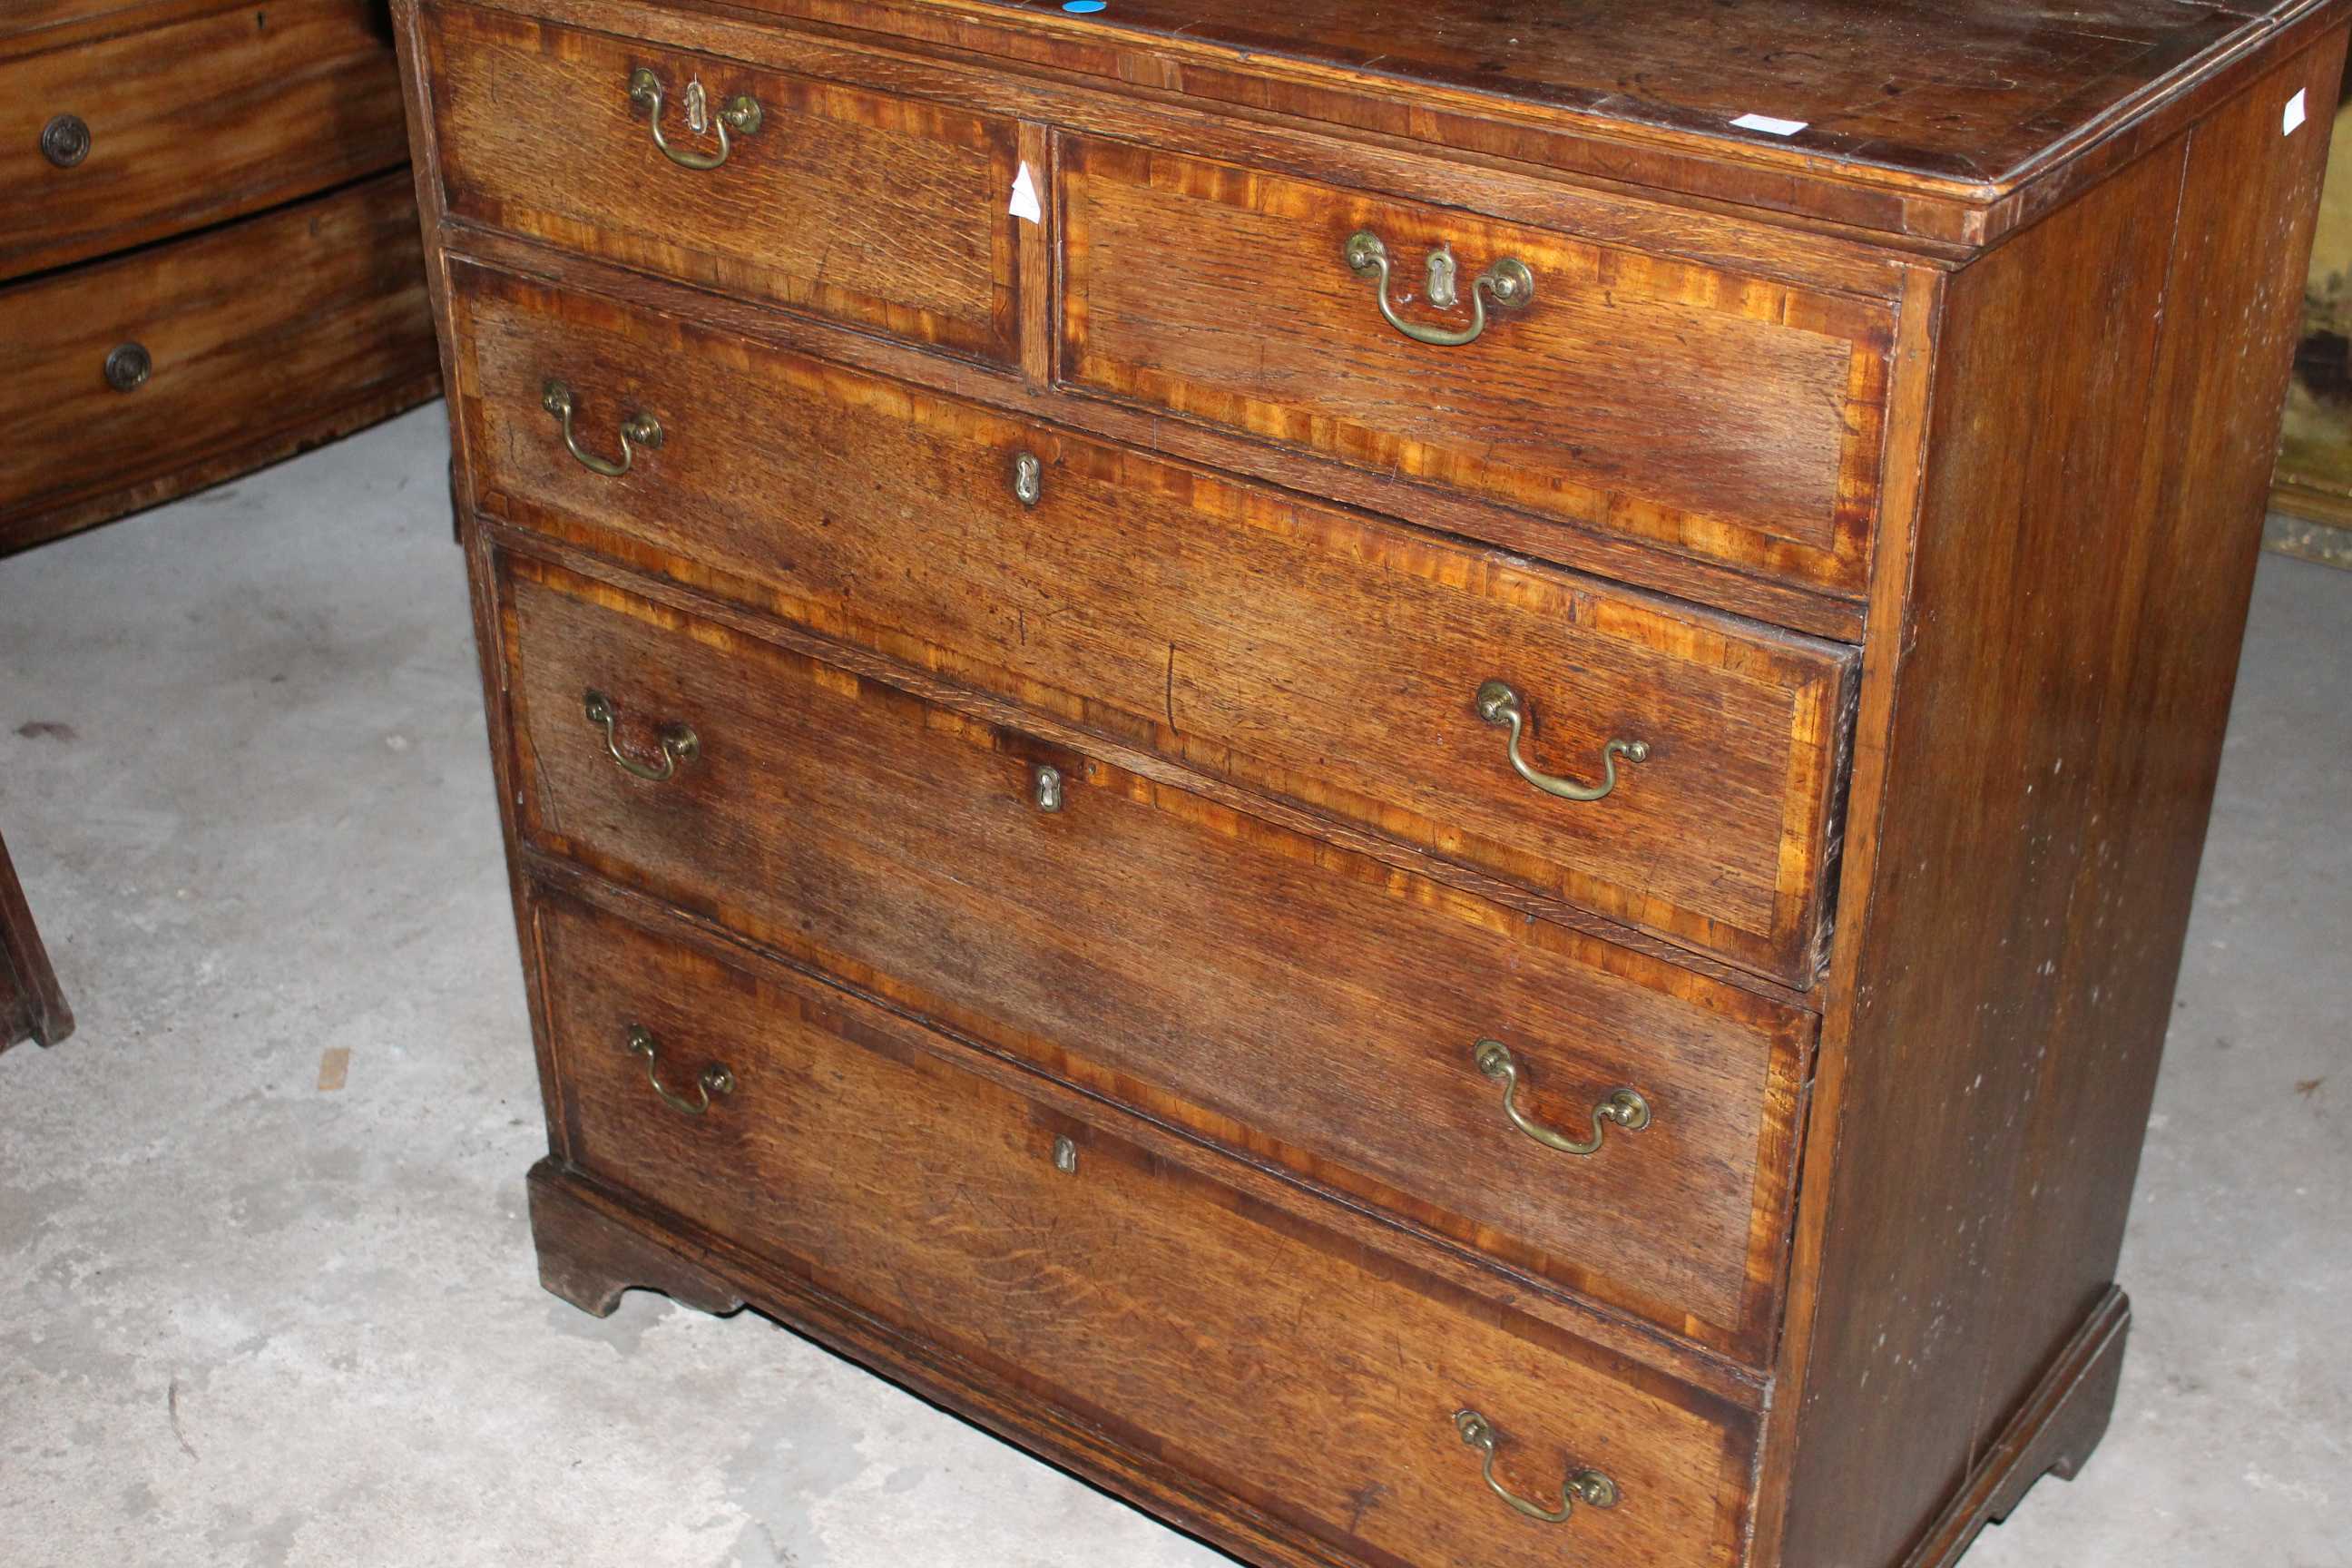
{"x": 1325, "y": 656}
{"x": 1248, "y": 1350}
{"x": 139, "y": 368}
{"x": 881, "y": 212}
{"x": 108, "y": 145}
{"x": 1720, "y": 415}
{"x": 1374, "y": 1033}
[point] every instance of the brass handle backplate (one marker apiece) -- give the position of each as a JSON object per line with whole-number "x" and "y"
{"x": 1625, "y": 1108}
{"x": 65, "y": 139}
{"x": 1499, "y": 703}
{"x": 637, "y": 430}
{"x": 1590, "y": 1487}
{"x": 679, "y": 743}
{"x": 740, "y": 114}
{"x": 716, "y": 1080}
{"x": 1509, "y": 282}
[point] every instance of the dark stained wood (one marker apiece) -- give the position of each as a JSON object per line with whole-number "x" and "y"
{"x": 1998, "y": 111}
{"x": 33, "y": 27}
{"x": 32, "y": 1004}
{"x": 1627, "y": 1339}
{"x": 2053, "y": 1433}
{"x": 858, "y": 207}
{"x": 1725, "y": 416}
{"x": 1036, "y": 722}
{"x": 193, "y": 122}
{"x": 1622, "y": 558}
{"x": 242, "y": 373}
{"x": 601, "y": 1225}
{"x": 2058, "y": 666}
{"x": 1217, "y": 972}
{"x": 1971, "y": 92}
{"x": 1326, "y": 658}
{"x": 1616, "y": 211}
{"x": 1135, "y": 1292}
{"x": 590, "y": 1263}
{"x": 1244, "y": 966}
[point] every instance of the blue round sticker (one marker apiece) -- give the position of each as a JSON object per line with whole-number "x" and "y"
{"x": 1084, "y": 7}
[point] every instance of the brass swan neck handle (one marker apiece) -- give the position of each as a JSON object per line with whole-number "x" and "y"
{"x": 1499, "y": 703}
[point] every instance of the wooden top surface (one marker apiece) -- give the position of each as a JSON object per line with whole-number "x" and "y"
{"x": 1970, "y": 91}
{"x": 1932, "y": 116}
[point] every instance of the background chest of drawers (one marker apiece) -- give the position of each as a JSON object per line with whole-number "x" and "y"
{"x": 207, "y": 247}
{"x": 1437, "y": 816}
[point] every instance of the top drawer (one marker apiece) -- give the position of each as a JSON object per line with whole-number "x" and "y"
{"x": 880, "y": 212}
{"x": 1721, "y": 416}
{"x": 108, "y": 145}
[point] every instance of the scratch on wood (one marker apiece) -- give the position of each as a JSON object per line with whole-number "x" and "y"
{"x": 1169, "y": 698}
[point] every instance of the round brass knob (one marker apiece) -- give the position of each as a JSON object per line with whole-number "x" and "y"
{"x": 128, "y": 367}
{"x": 65, "y": 139}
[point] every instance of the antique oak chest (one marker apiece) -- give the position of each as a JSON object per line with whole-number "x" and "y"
{"x": 1421, "y": 779}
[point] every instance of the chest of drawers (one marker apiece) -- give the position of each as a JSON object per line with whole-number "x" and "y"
{"x": 207, "y": 247}
{"x": 1367, "y": 767}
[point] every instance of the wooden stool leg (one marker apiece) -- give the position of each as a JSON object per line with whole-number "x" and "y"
{"x": 32, "y": 1007}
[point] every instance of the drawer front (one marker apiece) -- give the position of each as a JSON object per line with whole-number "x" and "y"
{"x": 1302, "y": 1004}
{"x": 1722, "y": 416}
{"x": 882, "y": 212}
{"x": 1250, "y": 1349}
{"x": 244, "y": 332}
{"x": 1324, "y": 657}
{"x": 185, "y": 126}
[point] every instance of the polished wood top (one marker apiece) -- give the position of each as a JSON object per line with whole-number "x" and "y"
{"x": 1974, "y": 90}
{"x": 1950, "y": 122}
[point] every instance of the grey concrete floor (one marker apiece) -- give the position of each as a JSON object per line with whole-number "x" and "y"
{"x": 245, "y": 1320}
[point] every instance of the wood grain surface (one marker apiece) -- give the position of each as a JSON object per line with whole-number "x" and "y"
{"x": 193, "y": 122}
{"x": 1728, "y": 417}
{"x": 2071, "y": 93}
{"x": 1970, "y": 91}
{"x": 1975, "y": 370}
{"x": 858, "y": 207}
{"x": 1326, "y": 657}
{"x": 2058, "y": 668}
{"x": 237, "y": 367}
{"x": 1298, "y": 1003}
{"x": 1234, "y": 1342}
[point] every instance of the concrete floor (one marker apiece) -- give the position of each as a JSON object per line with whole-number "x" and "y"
{"x": 245, "y": 1320}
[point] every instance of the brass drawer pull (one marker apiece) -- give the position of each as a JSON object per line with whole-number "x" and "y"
{"x": 1624, "y": 1107}
{"x": 1499, "y": 704}
{"x": 715, "y": 1080}
{"x": 679, "y": 743}
{"x": 637, "y": 430}
{"x": 128, "y": 366}
{"x": 1509, "y": 281}
{"x": 1590, "y": 1487}
{"x": 741, "y": 113}
{"x": 65, "y": 139}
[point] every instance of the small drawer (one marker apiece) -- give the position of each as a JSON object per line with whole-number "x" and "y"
{"x": 881, "y": 212}
{"x": 1253, "y": 1352}
{"x": 1374, "y": 1033}
{"x": 1725, "y": 416}
{"x": 188, "y": 353}
{"x": 1325, "y": 656}
{"x": 108, "y": 145}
